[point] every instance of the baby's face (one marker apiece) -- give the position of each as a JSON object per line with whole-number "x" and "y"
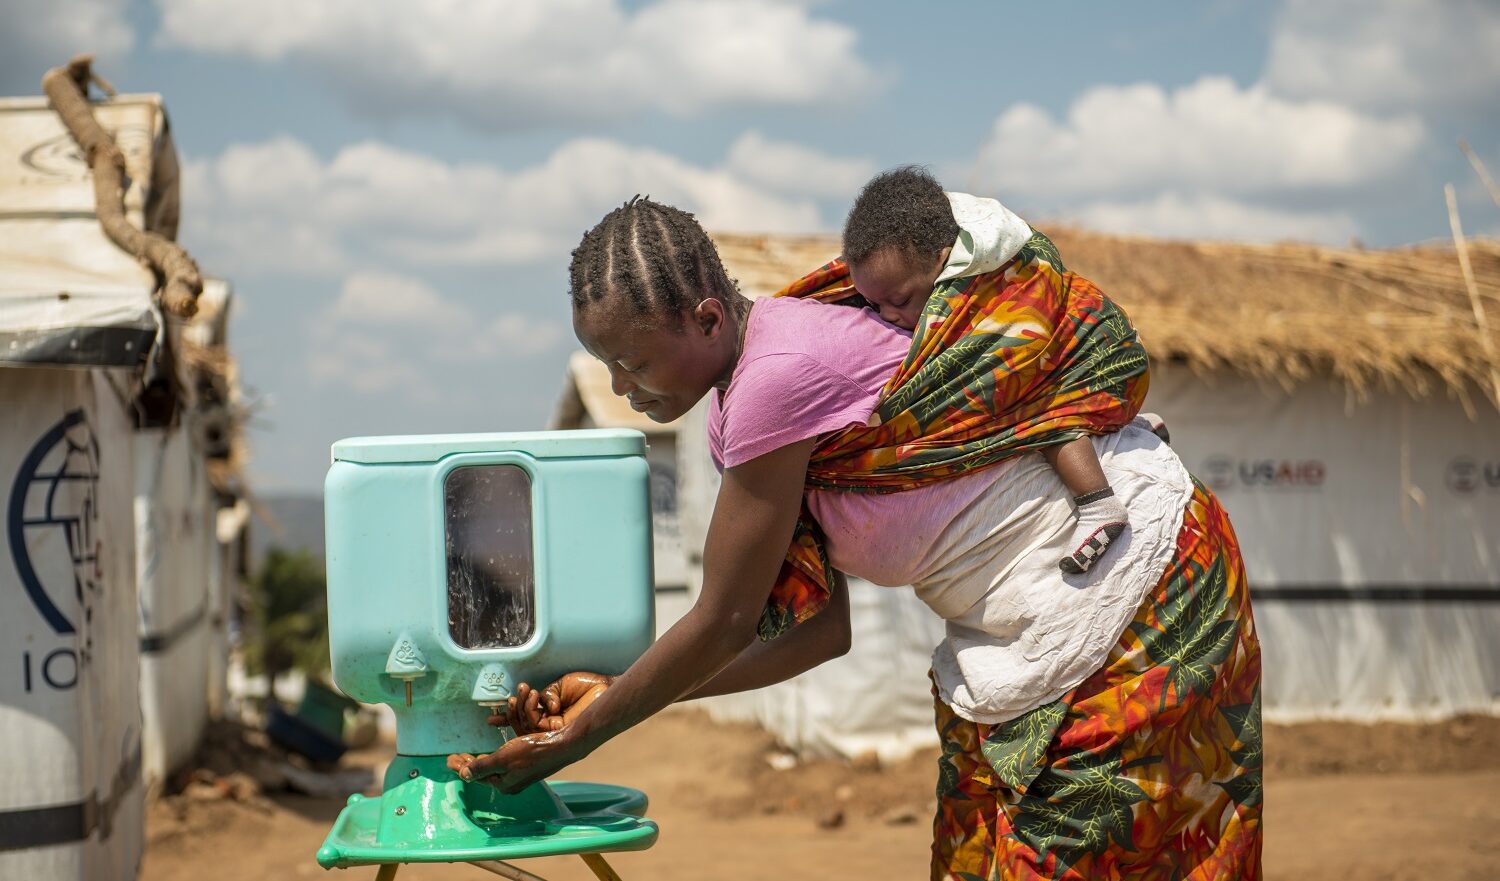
{"x": 897, "y": 284}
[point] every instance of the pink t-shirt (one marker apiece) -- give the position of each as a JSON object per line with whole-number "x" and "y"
{"x": 809, "y": 369}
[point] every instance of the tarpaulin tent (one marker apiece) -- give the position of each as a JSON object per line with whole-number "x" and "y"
{"x": 111, "y": 516}
{"x": 1338, "y": 402}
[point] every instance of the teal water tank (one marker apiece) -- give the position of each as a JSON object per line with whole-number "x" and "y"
{"x": 460, "y": 565}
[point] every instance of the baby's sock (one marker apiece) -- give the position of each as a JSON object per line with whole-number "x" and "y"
{"x": 1157, "y": 425}
{"x": 1101, "y": 520}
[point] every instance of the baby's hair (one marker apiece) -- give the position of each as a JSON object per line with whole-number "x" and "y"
{"x": 656, "y": 256}
{"x": 903, "y": 208}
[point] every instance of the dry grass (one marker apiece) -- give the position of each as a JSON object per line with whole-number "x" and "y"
{"x": 211, "y": 378}
{"x": 1391, "y": 319}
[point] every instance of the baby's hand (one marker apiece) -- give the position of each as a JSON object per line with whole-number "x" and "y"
{"x": 529, "y": 710}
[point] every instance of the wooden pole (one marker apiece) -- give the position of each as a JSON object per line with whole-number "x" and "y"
{"x": 387, "y": 872}
{"x": 1486, "y": 339}
{"x": 602, "y": 870}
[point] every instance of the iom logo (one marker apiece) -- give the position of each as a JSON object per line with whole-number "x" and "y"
{"x": 54, "y": 539}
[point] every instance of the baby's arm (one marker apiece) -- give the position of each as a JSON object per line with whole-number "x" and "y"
{"x": 1101, "y": 516}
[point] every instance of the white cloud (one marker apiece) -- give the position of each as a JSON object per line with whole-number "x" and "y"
{"x": 39, "y": 36}
{"x": 1210, "y": 135}
{"x": 277, "y": 208}
{"x": 389, "y": 332}
{"x": 1389, "y": 54}
{"x": 360, "y": 361}
{"x": 385, "y": 298}
{"x": 521, "y": 336}
{"x": 1173, "y": 215}
{"x": 793, "y": 168}
{"x": 383, "y": 223}
{"x": 248, "y": 212}
{"x": 523, "y": 63}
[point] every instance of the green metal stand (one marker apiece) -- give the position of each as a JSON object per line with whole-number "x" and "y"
{"x": 427, "y": 814}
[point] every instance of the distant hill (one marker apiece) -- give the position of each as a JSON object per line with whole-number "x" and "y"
{"x": 298, "y": 526}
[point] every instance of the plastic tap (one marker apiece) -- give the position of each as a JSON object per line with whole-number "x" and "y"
{"x": 489, "y": 688}
{"x": 405, "y": 662}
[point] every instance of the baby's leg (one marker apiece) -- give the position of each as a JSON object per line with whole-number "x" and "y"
{"x": 1101, "y": 516}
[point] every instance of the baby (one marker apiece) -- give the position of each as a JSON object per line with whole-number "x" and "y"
{"x": 900, "y": 241}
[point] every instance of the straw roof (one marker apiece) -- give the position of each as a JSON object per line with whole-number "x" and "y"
{"x": 1390, "y": 319}
{"x": 211, "y": 386}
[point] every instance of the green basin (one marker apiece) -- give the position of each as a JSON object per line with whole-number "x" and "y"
{"x": 427, "y": 814}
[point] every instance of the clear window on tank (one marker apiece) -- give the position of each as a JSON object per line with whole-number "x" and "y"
{"x": 491, "y": 573}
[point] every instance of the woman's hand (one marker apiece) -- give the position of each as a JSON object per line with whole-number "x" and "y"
{"x": 529, "y": 711}
{"x": 522, "y": 761}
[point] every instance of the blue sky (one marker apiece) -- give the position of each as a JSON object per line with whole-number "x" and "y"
{"x": 393, "y": 186}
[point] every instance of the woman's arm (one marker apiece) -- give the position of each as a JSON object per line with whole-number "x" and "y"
{"x": 821, "y": 638}
{"x": 751, "y": 528}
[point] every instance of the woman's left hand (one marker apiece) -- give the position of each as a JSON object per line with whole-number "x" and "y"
{"x": 523, "y": 760}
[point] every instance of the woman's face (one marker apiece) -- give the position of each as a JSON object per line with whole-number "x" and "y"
{"x": 660, "y": 369}
{"x": 897, "y": 284}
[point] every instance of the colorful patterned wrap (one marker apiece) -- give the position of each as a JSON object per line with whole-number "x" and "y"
{"x": 1027, "y": 356}
{"x": 1150, "y": 769}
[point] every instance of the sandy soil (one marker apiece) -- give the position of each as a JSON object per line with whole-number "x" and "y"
{"x": 1369, "y": 802}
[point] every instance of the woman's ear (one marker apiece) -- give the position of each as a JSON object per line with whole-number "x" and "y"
{"x": 709, "y": 316}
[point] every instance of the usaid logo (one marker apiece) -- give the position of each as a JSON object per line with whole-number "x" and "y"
{"x": 1223, "y": 473}
{"x": 1466, "y": 475}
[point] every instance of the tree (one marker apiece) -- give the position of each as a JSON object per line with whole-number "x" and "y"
{"x": 288, "y": 617}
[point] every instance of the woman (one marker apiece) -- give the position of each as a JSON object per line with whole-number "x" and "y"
{"x": 1106, "y": 726}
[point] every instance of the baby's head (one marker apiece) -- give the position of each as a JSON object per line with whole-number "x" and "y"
{"x": 896, "y": 241}
{"x": 652, "y": 301}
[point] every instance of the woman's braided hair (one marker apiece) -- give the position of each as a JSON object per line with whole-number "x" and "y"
{"x": 904, "y": 208}
{"x": 654, "y": 255}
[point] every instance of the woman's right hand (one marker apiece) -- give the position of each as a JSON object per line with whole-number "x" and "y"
{"x": 529, "y": 711}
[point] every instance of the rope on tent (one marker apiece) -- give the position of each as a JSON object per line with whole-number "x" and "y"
{"x": 67, "y": 88}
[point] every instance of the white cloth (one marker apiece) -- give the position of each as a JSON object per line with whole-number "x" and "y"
{"x": 989, "y": 234}
{"x": 1021, "y": 633}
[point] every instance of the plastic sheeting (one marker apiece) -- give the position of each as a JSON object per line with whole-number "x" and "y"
{"x": 176, "y": 559}
{"x": 71, "y": 807}
{"x": 68, "y": 295}
{"x": 1371, "y": 535}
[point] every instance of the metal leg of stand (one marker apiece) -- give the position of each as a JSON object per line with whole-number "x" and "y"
{"x": 387, "y": 872}
{"x": 601, "y": 869}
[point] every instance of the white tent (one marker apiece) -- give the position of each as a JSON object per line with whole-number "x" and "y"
{"x": 1364, "y": 485}
{"x": 112, "y": 518}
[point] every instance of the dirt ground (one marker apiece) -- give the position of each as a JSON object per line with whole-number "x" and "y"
{"x": 1342, "y": 801}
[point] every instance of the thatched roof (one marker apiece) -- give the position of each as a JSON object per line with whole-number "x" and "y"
{"x": 1370, "y": 319}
